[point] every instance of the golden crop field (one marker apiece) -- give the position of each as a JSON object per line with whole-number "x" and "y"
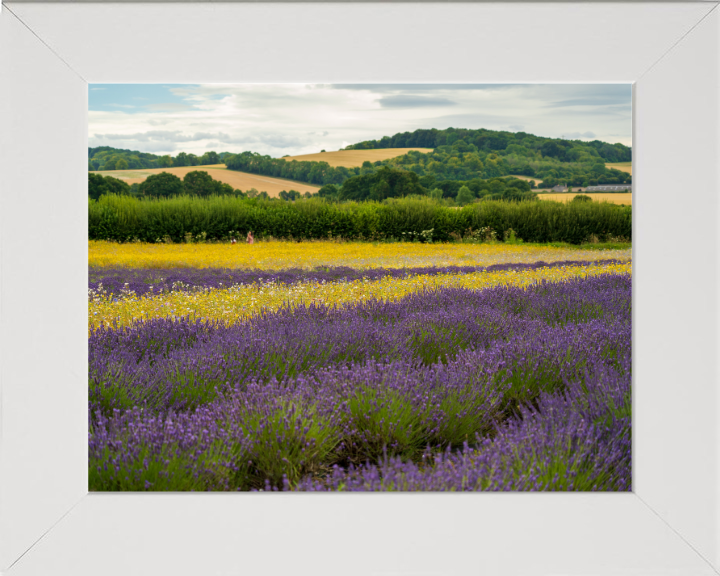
{"x": 619, "y": 198}
{"x": 538, "y": 181}
{"x": 309, "y": 255}
{"x": 622, "y": 166}
{"x": 352, "y": 158}
{"x": 240, "y": 180}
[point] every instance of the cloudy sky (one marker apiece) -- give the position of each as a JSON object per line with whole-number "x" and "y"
{"x": 280, "y": 119}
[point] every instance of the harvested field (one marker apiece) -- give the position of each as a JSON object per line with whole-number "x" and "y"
{"x": 622, "y": 166}
{"x": 352, "y": 158}
{"x": 527, "y": 178}
{"x": 620, "y": 198}
{"x": 240, "y": 180}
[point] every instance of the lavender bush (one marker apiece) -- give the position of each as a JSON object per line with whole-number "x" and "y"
{"x": 165, "y": 363}
{"x": 578, "y": 440}
{"x": 500, "y": 389}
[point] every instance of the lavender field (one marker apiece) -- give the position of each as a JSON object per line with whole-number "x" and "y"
{"x": 523, "y": 383}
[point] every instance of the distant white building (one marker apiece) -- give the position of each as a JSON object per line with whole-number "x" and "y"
{"x": 610, "y": 188}
{"x": 560, "y": 188}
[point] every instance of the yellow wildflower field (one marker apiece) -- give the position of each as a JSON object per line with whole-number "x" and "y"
{"x": 309, "y": 255}
{"x": 240, "y": 302}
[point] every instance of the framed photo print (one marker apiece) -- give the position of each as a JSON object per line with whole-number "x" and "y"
{"x": 373, "y": 288}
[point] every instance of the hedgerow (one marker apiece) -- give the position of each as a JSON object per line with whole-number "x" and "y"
{"x": 123, "y": 218}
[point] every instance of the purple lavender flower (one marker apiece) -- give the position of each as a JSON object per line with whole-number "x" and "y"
{"x": 452, "y": 389}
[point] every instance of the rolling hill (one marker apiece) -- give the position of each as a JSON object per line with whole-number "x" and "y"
{"x": 239, "y": 180}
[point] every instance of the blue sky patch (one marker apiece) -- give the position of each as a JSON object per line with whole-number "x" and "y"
{"x": 134, "y": 98}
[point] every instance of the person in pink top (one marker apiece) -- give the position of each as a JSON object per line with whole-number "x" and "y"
{"x": 250, "y": 239}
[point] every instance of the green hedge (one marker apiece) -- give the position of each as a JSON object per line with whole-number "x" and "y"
{"x": 123, "y": 218}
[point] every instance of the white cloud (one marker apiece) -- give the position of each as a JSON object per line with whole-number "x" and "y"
{"x": 300, "y": 119}
{"x": 414, "y": 101}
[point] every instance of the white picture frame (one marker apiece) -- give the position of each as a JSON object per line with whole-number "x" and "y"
{"x": 668, "y": 525}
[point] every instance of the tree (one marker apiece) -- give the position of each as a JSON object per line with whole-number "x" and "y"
{"x": 436, "y": 193}
{"x": 252, "y": 193}
{"x": 163, "y": 185}
{"x": 493, "y": 166}
{"x": 210, "y": 158}
{"x": 464, "y": 196}
{"x": 121, "y": 164}
{"x": 165, "y": 161}
{"x": 427, "y": 181}
{"x": 329, "y": 191}
{"x": 181, "y": 160}
{"x": 383, "y": 183}
{"x": 515, "y": 195}
{"x": 356, "y": 188}
{"x": 449, "y": 188}
{"x": 551, "y": 149}
{"x": 380, "y": 190}
{"x": 225, "y": 189}
{"x": 473, "y": 162}
{"x": 199, "y": 183}
{"x": 99, "y": 185}
{"x": 609, "y": 153}
{"x": 496, "y": 186}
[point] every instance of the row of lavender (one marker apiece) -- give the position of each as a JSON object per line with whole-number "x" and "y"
{"x": 500, "y": 389}
{"x": 149, "y": 281}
